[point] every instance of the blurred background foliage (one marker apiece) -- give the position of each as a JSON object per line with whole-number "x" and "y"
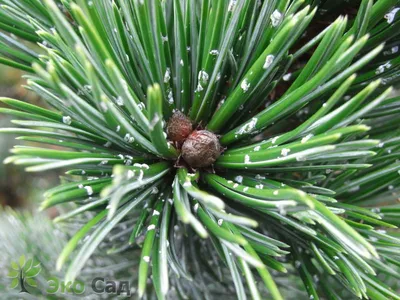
{"x": 15, "y": 190}
{"x": 25, "y": 231}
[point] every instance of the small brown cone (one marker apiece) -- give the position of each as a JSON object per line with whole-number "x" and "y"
{"x": 201, "y": 149}
{"x": 179, "y": 127}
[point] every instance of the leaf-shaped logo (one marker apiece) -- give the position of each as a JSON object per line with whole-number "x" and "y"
{"x": 22, "y": 261}
{"x": 23, "y": 273}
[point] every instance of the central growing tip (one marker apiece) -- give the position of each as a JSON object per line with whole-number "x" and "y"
{"x": 199, "y": 148}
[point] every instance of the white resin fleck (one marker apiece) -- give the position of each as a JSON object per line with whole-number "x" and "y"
{"x": 245, "y": 85}
{"x": 67, "y": 120}
{"x": 276, "y": 18}
{"x": 268, "y": 61}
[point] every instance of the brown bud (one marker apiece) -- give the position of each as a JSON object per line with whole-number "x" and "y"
{"x": 201, "y": 149}
{"x": 179, "y": 127}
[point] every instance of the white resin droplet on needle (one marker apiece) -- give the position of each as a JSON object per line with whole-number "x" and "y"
{"x": 268, "y": 61}
{"x": 67, "y": 120}
{"x": 276, "y": 18}
{"x": 245, "y": 85}
{"x": 391, "y": 15}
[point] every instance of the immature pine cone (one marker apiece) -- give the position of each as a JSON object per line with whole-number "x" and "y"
{"x": 201, "y": 149}
{"x": 179, "y": 127}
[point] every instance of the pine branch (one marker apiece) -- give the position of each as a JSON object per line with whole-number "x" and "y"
{"x": 292, "y": 105}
